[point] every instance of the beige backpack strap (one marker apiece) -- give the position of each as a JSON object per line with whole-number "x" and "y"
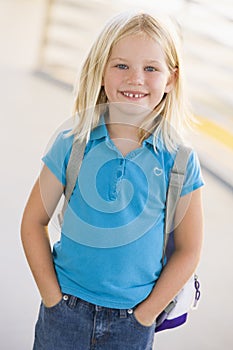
{"x": 72, "y": 172}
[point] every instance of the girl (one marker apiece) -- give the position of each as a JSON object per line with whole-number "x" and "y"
{"x": 103, "y": 285}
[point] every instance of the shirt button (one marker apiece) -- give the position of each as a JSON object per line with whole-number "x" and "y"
{"x": 119, "y": 173}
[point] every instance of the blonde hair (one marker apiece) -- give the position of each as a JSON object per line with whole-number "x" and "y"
{"x": 172, "y": 109}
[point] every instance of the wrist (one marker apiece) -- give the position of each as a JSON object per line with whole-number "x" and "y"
{"x": 53, "y": 299}
{"x": 144, "y": 315}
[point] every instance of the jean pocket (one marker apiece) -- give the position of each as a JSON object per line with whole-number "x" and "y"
{"x": 140, "y": 324}
{"x": 56, "y": 306}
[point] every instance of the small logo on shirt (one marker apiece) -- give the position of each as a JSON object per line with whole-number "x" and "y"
{"x": 158, "y": 171}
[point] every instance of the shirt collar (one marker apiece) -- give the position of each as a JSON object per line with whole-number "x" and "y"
{"x": 101, "y": 132}
{"x": 150, "y": 140}
{"x": 157, "y": 143}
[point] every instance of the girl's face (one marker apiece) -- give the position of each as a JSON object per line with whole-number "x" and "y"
{"x": 137, "y": 73}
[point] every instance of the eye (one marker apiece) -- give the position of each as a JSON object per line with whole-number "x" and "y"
{"x": 122, "y": 66}
{"x": 150, "y": 69}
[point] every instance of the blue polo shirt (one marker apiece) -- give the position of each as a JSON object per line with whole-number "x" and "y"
{"x": 111, "y": 241}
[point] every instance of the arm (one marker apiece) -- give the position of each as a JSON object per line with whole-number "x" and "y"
{"x": 182, "y": 264}
{"x": 38, "y": 211}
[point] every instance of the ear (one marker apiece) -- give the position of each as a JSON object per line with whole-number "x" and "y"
{"x": 171, "y": 80}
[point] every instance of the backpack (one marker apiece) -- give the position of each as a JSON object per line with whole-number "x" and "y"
{"x": 175, "y": 314}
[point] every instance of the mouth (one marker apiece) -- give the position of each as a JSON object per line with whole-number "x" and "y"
{"x": 133, "y": 94}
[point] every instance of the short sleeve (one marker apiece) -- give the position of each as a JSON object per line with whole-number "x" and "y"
{"x": 193, "y": 179}
{"x": 56, "y": 159}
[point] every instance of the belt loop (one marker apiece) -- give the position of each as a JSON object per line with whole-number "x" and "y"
{"x": 72, "y": 302}
{"x": 98, "y": 308}
{"x": 123, "y": 313}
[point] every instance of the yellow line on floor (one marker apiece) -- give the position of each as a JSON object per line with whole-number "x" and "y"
{"x": 215, "y": 131}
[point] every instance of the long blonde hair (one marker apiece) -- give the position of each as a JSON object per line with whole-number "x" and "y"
{"x": 172, "y": 109}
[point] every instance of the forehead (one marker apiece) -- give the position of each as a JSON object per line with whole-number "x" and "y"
{"x": 137, "y": 46}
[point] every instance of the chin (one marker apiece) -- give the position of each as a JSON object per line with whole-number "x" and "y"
{"x": 129, "y": 111}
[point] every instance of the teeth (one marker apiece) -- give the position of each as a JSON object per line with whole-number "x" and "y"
{"x": 131, "y": 95}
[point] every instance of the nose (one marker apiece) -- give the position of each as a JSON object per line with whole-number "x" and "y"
{"x": 135, "y": 77}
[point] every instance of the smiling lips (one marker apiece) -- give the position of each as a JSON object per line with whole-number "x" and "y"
{"x": 134, "y": 95}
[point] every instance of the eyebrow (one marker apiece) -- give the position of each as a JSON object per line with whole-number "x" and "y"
{"x": 118, "y": 59}
{"x": 154, "y": 61}
{"x": 146, "y": 61}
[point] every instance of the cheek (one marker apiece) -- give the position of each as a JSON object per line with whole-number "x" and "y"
{"x": 158, "y": 85}
{"x": 112, "y": 82}
{"x": 110, "y": 88}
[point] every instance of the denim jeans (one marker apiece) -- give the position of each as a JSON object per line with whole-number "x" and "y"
{"x": 74, "y": 324}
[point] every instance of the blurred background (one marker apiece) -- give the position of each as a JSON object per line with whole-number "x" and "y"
{"x": 42, "y": 45}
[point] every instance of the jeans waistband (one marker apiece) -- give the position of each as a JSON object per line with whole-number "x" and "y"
{"x": 72, "y": 301}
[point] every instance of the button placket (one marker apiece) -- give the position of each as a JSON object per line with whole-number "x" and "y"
{"x": 120, "y": 173}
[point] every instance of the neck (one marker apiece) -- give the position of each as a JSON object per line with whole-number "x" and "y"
{"x": 125, "y": 137}
{"x": 123, "y": 131}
